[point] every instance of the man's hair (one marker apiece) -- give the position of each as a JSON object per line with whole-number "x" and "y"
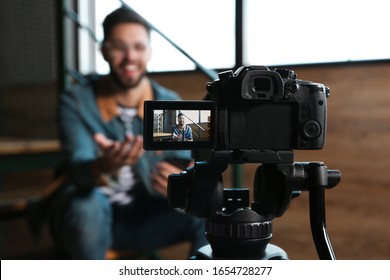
{"x": 180, "y": 114}
{"x": 122, "y": 15}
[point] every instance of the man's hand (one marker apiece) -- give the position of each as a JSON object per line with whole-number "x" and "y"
{"x": 176, "y": 137}
{"x": 117, "y": 154}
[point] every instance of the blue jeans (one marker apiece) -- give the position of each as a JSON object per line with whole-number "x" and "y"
{"x": 85, "y": 225}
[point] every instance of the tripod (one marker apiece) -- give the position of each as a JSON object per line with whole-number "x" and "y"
{"x": 236, "y": 231}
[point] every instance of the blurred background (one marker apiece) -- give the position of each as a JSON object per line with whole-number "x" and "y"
{"x": 48, "y": 45}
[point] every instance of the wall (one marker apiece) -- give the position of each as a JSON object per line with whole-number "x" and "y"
{"x": 28, "y": 63}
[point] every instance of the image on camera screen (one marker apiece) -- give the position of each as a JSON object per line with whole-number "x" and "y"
{"x": 181, "y": 125}
{"x": 178, "y": 125}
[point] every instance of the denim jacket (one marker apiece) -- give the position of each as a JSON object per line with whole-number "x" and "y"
{"x": 81, "y": 116}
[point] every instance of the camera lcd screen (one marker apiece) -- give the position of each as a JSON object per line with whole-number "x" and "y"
{"x": 178, "y": 125}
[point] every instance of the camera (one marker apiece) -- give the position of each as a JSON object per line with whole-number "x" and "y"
{"x": 252, "y": 115}
{"x": 252, "y": 109}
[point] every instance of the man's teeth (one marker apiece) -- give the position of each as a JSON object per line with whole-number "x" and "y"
{"x": 131, "y": 67}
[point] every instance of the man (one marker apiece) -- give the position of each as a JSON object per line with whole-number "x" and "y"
{"x": 115, "y": 192}
{"x": 181, "y": 132}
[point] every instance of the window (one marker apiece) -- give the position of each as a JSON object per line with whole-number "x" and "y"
{"x": 203, "y": 28}
{"x": 275, "y": 33}
{"x": 287, "y": 32}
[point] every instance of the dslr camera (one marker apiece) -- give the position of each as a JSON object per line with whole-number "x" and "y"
{"x": 254, "y": 115}
{"x": 252, "y": 109}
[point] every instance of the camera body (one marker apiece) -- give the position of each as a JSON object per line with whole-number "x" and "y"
{"x": 253, "y": 108}
{"x": 263, "y": 109}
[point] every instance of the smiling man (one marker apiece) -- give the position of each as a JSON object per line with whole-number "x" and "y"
{"x": 181, "y": 132}
{"x": 115, "y": 192}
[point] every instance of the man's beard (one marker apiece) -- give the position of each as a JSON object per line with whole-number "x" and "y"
{"x": 126, "y": 84}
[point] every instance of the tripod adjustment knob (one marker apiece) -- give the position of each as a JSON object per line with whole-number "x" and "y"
{"x": 239, "y": 230}
{"x": 242, "y": 223}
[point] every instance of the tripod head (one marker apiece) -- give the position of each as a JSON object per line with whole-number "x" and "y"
{"x": 234, "y": 229}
